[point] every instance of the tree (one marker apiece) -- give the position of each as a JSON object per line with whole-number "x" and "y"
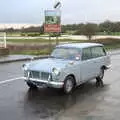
{"x": 42, "y": 29}
{"x": 79, "y": 29}
{"x": 107, "y": 26}
{"x": 89, "y": 30}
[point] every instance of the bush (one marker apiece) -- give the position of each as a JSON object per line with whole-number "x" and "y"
{"x": 30, "y": 34}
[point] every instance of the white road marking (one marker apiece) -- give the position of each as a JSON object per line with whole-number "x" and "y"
{"x": 10, "y": 80}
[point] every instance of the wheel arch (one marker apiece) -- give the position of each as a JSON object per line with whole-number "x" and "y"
{"x": 104, "y": 67}
{"x": 72, "y": 75}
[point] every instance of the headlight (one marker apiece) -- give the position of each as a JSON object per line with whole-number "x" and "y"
{"x": 25, "y": 67}
{"x": 56, "y": 71}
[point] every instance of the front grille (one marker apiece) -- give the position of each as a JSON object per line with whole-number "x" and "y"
{"x": 34, "y": 74}
{"x": 37, "y": 75}
{"x": 44, "y": 75}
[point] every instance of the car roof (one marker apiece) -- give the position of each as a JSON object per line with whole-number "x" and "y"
{"x": 80, "y": 45}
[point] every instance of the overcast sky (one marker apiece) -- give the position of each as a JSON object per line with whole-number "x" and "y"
{"x": 73, "y": 11}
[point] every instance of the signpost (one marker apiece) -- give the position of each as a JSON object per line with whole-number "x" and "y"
{"x": 53, "y": 22}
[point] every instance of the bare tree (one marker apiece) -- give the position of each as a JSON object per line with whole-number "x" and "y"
{"x": 89, "y": 30}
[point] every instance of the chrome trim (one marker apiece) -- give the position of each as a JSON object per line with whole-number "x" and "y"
{"x": 43, "y": 81}
{"x": 108, "y": 67}
{"x": 30, "y": 74}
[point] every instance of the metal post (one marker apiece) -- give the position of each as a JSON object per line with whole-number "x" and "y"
{"x": 49, "y": 43}
{"x": 57, "y": 40}
{"x": 5, "y": 43}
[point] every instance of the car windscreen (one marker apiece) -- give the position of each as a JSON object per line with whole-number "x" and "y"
{"x": 66, "y": 53}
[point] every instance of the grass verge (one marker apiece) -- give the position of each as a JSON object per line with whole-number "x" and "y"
{"x": 109, "y": 44}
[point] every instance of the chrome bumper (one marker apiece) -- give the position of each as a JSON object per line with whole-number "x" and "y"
{"x": 48, "y": 83}
{"x": 108, "y": 67}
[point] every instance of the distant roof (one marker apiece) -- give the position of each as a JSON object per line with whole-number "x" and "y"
{"x": 80, "y": 45}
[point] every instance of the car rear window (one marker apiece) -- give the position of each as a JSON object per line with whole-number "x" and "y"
{"x": 93, "y": 52}
{"x": 98, "y": 52}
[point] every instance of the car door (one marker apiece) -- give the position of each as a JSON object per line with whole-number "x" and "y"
{"x": 98, "y": 56}
{"x": 87, "y": 65}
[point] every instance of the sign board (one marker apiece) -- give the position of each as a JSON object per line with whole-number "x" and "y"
{"x": 52, "y": 21}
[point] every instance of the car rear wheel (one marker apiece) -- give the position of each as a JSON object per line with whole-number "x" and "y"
{"x": 68, "y": 85}
{"x": 101, "y": 75}
{"x": 99, "y": 79}
{"x": 31, "y": 85}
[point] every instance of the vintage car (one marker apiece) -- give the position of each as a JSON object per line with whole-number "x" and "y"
{"x": 68, "y": 66}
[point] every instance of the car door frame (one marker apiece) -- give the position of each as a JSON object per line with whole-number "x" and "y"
{"x": 98, "y": 61}
{"x": 86, "y": 67}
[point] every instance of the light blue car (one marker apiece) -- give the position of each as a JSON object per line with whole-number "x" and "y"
{"x": 68, "y": 66}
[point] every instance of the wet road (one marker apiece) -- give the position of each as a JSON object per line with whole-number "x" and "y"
{"x": 87, "y": 102}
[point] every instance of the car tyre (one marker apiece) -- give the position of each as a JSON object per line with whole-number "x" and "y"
{"x": 99, "y": 79}
{"x": 31, "y": 85}
{"x": 68, "y": 85}
{"x": 101, "y": 75}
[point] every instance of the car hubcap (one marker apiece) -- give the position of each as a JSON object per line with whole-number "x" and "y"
{"x": 69, "y": 86}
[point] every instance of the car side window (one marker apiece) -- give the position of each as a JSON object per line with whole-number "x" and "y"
{"x": 98, "y": 52}
{"x": 86, "y": 54}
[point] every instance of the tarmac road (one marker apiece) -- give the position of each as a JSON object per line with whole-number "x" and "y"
{"x": 87, "y": 102}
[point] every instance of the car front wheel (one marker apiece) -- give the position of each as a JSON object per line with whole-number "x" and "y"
{"x": 68, "y": 85}
{"x": 31, "y": 85}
